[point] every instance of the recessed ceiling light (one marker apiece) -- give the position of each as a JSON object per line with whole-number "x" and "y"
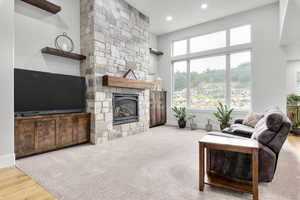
{"x": 169, "y": 18}
{"x": 204, "y": 6}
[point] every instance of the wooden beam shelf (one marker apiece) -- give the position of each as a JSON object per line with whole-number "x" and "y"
{"x": 58, "y": 52}
{"x": 156, "y": 52}
{"x": 118, "y": 82}
{"x": 44, "y": 5}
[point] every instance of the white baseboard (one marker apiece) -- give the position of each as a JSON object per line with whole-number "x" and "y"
{"x": 7, "y": 160}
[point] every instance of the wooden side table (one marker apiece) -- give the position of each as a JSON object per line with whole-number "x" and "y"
{"x": 214, "y": 142}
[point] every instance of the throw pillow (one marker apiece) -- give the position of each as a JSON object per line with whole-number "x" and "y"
{"x": 252, "y": 119}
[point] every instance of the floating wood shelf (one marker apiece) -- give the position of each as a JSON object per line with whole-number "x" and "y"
{"x": 44, "y": 5}
{"x": 58, "y": 52}
{"x": 156, "y": 52}
{"x": 112, "y": 81}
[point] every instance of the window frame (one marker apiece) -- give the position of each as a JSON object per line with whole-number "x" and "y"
{"x": 187, "y": 47}
{"x": 227, "y": 51}
{"x": 235, "y": 27}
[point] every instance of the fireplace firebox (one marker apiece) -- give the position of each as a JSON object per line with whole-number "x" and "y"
{"x": 125, "y": 108}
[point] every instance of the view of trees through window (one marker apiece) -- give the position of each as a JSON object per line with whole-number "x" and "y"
{"x": 241, "y": 80}
{"x": 208, "y": 82}
{"x": 180, "y": 83}
{"x": 201, "y": 83}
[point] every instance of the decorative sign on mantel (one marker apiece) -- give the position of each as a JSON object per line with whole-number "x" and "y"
{"x": 130, "y": 75}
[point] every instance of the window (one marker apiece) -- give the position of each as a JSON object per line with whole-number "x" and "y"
{"x": 207, "y": 82}
{"x": 179, "y": 48}
{"x": 208, "y": 42}
{"x": 180, "y": 83}
{"x": 240, "y": 71}
{"x": 298, "y": 84}
{"x": 201, "y": 81}
{"x": 240, "y": 35}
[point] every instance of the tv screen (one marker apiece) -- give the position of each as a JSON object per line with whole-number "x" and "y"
{"x": 46, "y": 93}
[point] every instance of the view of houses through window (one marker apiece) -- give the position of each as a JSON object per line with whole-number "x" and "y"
{"x": 201, "y": 82}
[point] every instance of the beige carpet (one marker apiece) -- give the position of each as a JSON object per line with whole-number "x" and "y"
{"x": 159, "y": 165}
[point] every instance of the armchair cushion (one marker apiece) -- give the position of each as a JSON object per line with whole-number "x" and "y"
{"x": 272, "y": 130}
{"x": 252, "y": 119}
{"x": 239, "y": 130}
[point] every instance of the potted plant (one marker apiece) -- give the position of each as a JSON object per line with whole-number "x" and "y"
{"x": 293, "y": 99}
{"x": 208, "y": 126}
{"x": 191, "y": 117}
{"x": 296, "y": 127}
{"x": 180, "y": 114}
{"x": 223, "y": 115}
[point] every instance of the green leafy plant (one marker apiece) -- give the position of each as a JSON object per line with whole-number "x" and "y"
{"x": 190, "y": 116}
{"x": 293, "y": 99}
{"x": 180, "y": 113}
{"x": 223, "y": 115}
{"x": 296, "y": 124}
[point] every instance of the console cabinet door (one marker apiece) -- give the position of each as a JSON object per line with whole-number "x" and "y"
{"x": 24, "y": 137}
{"x": 163, "y": 107}
{"x": 152, "y": 109}
{"x": 157, "y": 108}
{"x": 83, "y": 129}
{"x": 65, "y": 132}
{"x": 45, "y": 135}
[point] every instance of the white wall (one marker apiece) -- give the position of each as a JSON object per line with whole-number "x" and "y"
{"x": 153, "y": 58}
{"x": 291, "y": 76}
{"x": 268, "y": 70}
{"x": 292, "y": 52}
{"x": 7, "y": 157}
{"x": 36, "y": 29}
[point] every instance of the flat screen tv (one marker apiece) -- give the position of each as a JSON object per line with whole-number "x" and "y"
{"x": 40, "y": 93}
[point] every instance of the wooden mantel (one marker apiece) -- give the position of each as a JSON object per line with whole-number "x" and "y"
{"x": 112, "y": 81}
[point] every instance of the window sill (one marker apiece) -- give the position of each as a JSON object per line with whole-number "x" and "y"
{"x": 236, "y": 112}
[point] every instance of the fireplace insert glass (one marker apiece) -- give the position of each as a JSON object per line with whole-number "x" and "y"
{"x": 125, "y": 108}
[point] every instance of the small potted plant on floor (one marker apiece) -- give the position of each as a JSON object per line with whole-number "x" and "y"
{"x": 190, "y": 118}
{"x": 223, "y": 115}
{"x": 180, "y": 114}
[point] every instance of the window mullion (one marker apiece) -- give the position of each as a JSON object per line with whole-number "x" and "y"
{"x": 188, "y": 84}
{"x": 228, "y": 76}
{"x": 228, "y": 81}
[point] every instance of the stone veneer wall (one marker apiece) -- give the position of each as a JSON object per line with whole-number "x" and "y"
{"x": 115, "y": 38}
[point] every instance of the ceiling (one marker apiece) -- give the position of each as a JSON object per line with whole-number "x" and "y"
{"x": 187, "y": 13}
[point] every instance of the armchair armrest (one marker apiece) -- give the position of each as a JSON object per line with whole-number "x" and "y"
{"x": 238, "y": 121}
{"x": 235, "y": 144}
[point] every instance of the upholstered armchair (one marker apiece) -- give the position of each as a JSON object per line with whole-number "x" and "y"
{"x": 271, "y": 132}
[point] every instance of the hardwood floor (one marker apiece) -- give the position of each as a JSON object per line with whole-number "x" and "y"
{"x": 294, "y": 141}
{"x": 15, "y": 185}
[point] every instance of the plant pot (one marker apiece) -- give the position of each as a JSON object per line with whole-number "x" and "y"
{"x": 181, "y": 123}
{"x": 223, "y": 126}
{"x": 194, "y": 126}
{"x": 208, "y": 127}
{"x": 296, "y": 131}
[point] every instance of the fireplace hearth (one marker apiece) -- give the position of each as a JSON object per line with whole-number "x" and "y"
{"x": 125, "y": 108}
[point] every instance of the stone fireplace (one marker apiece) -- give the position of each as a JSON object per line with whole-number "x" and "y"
{"x": 115, "y": 38}
{"x": 125, "y": 108}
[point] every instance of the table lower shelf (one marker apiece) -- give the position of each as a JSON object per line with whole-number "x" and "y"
{"x": 227, "y": 183}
